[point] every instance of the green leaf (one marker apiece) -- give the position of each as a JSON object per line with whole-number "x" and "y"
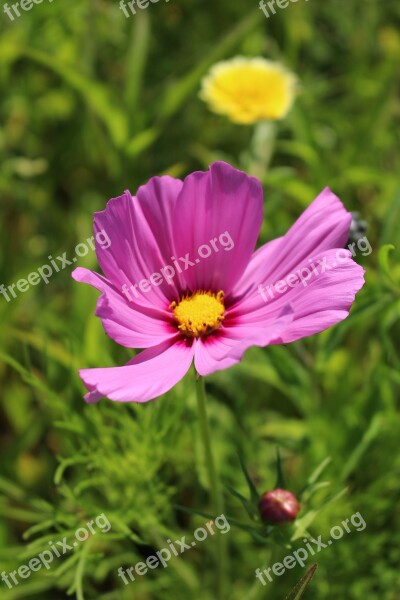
{"x": 298, "y": 591}
{"x": 301, "y": 525}
{"x": 142, "y": 141}
{"x": 315, "y": 475}
{"x": 355, "y": 458}
{"x": 254, "y": 493}
{"x": 383, "y": 258}
{"x": 249, "y": 507}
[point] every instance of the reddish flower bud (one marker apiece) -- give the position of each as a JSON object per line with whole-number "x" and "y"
{"x": 278, "y": 506}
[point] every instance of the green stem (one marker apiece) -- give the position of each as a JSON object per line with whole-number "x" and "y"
{"x": 262, "y": 148}
{"x": 216, "y": 493}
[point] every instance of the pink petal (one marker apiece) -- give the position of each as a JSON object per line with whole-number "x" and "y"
{"x": 129, "y": 325}
{"x": 147, "y": 376}
{"x": 323, "y": 300}
{"x": 221, "y": 210}
{"x": 227, "y": 346}
{"x": 256, "y": 268}
{"x": 141, "y": 242}
{"x": 324, "y": 225}
{"x": 212, "y": 353}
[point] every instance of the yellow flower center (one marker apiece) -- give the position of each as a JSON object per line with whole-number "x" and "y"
{"x": 199, "y": 314}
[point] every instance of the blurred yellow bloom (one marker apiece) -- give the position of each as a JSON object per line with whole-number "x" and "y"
{"x": 248, "y": 90}
{"x": 389, "y": 41}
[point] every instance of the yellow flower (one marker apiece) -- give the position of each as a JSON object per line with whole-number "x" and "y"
{"x": 248, "y": 90}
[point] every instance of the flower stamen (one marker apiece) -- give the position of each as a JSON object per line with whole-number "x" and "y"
{"x": 199, "y": 313}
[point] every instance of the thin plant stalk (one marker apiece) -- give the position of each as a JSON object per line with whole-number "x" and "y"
{"x": 215, "y": 485}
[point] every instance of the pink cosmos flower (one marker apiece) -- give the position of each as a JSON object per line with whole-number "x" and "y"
{"x": 211, "y": 309}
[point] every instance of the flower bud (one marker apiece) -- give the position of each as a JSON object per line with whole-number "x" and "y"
{"x": 278, "y": 506}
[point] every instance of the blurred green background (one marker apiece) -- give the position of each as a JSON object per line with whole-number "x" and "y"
{"x": 93, "y": 103}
